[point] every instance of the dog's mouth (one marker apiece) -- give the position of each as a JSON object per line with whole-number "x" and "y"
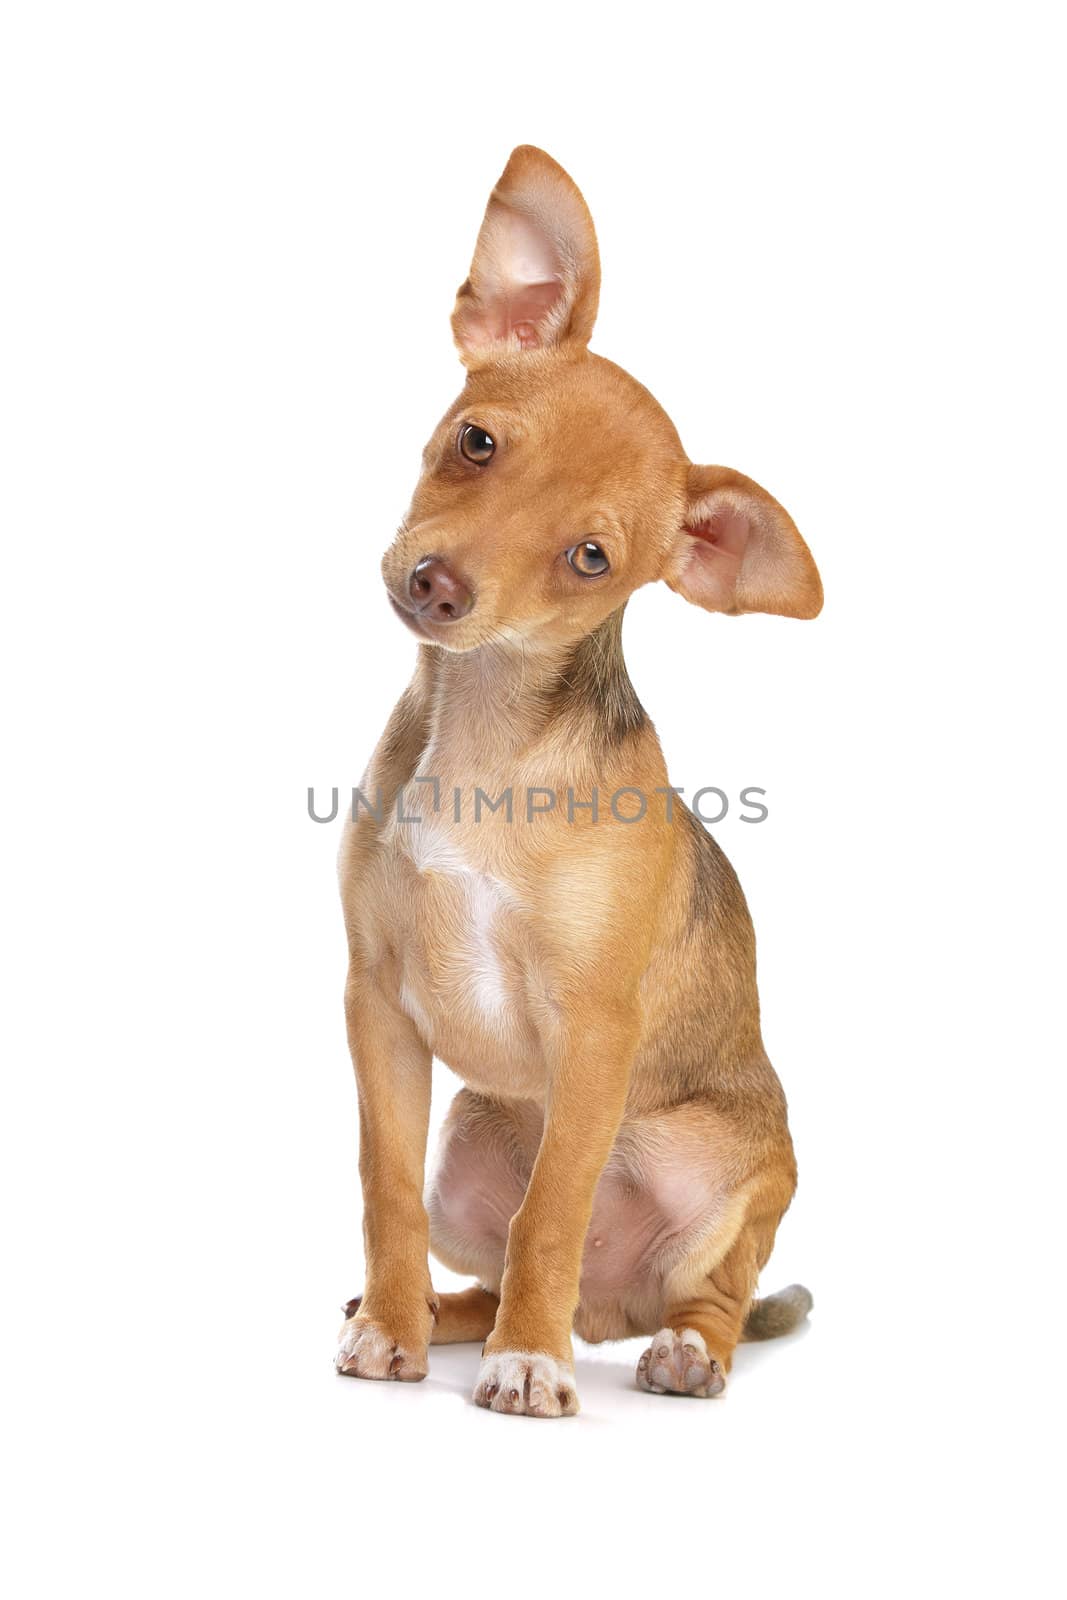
{"x": 411, "y": 618}
{"x": 456, "y": 637}
{"x": 448, "y": 635}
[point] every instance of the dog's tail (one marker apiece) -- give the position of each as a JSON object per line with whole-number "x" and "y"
{"x": 777, "y": 1313}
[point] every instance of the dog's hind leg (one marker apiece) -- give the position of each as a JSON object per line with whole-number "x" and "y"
{"x": 708, "y": 1310}
{"x": 692, "y": 1352}
{"x": 466, "y": 1316}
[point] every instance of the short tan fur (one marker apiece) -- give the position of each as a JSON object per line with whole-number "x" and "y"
{"x": 620, "y": 1158}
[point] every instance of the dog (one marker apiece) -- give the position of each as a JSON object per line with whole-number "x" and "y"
{"x": 620, "y": 1158}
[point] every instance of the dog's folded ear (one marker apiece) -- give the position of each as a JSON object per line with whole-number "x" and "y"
{"x": 535, "y": 277}
{"x": 738, "y": 550}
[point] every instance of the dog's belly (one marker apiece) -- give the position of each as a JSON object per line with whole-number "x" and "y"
{"x": 664, "y": 1200}
{"x": 646, "y": 1214}
{"x": 661, "y": 1199}
{"x": 466, "y": 972}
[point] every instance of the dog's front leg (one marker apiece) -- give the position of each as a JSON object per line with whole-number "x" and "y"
{"x": 389, "y": 1335}
{"x": 527, "y": 1366}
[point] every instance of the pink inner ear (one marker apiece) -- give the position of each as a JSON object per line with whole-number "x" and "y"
{"x": 720, "y": 539}
{"x": 526, "y": 306}
{"x": 522, "y": 283}
{"x": 519, "y": 310}
{"x": 726, "y": 528}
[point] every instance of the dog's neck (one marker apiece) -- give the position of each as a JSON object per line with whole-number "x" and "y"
{"x": 495, "y": 706}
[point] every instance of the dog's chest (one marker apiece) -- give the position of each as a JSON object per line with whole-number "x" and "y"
{"x": 464, "y": 958}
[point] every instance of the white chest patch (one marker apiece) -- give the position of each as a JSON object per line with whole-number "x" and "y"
{"x": 484, "y": 899}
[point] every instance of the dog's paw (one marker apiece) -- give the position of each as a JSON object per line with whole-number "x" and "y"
{"x": 526, "y": 1384}
{"x": 366, "y": 1350}
{"x": 678, "y": 1363}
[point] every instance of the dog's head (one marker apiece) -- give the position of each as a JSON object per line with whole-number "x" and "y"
{"x": 556, "y": 485}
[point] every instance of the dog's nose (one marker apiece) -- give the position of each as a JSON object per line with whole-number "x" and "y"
{"x": 438, "y": 594}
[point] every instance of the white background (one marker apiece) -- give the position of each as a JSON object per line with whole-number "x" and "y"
{"x": 830, "y": 247}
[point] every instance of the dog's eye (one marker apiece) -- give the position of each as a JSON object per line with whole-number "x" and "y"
{"x": 588, "y": 560}
{"x": 476, "y": 444}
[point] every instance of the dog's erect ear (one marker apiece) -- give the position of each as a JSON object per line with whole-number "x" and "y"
{"x": 738, "y": 550}
{"x": 535, "y": 277}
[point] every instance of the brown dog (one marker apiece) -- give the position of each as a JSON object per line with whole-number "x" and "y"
{"x": 582, "y": 958}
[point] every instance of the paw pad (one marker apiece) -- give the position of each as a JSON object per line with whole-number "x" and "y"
{"x": 679, "y": 1363}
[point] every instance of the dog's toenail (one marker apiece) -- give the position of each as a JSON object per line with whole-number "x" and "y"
{"x": 513, "y": 1397}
